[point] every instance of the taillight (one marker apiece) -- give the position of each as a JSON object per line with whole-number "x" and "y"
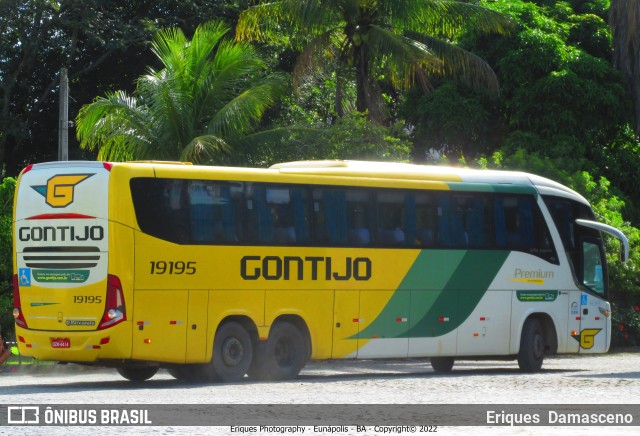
{"x": 114, "y": 310}
{"x": 107, "y": 165}
{"x": 17, "y": 308}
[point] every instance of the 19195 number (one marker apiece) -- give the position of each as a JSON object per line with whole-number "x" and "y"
{"x": 179, "y": 267}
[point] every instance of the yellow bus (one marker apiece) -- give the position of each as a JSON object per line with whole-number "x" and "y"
{"x": 216, "y": 273}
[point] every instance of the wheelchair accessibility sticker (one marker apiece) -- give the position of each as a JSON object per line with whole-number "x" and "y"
{"x": 24, "y": 275}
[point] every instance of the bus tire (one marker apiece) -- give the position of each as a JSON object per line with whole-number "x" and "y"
{"x": 187, "y": 373}
{"x": 232, "y": 352}
{"x": 442, "y": 364}
{"x": 137, "y": 373}
{"x": 531, "y": 352}
{"x": 282, "y": 356}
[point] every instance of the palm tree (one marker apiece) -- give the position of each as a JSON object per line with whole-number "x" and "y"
{"x": 402, "y": 41}
{"x": 624, "y": 19}
{"x": 205, "y": 102}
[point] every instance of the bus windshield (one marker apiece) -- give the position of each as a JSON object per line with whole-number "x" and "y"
{"x": 584, "y": 245}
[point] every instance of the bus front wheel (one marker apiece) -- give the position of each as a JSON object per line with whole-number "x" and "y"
{"x": 232, "y": 352}
{"x": 282, "y": 356}
{"x": 531, "y": 352}
{"x": 137, "y": 373}
{"x": 441, "y": 364}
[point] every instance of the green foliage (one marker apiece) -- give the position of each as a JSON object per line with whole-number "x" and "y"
{"x": 7, "y": 189}
{"x": 6, "y": 315}
{"x": 353, "y": 136}
{"x": 451, "y": 119}
{"x": 206, "y": 101}
{"x": 558, "y": 97}
{"x": 102, "y": 43}
{"x": 395, "y": 42}
{"x": 625, "y": 323}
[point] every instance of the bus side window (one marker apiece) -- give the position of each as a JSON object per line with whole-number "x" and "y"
{"x": 160, "y": 209}
{"x": 300, "y": 204}
{"x": 177, "y": 223}
{"x": 426, "y": 220}
{"x": 391, "y": 218}
{"x": 451, "y": 222}
{"x": 262, "y": 215}
{"x": 519, "y": 225}
{"x": 359, "y": 216}
{"x": 289, "y": 210}
{"x": 224, "y": 228}
{"x": 477, "y": 227}
{"x": 359, "y": 233}
{"x": 283, "y": 229}
{"x": 330, "y": 217}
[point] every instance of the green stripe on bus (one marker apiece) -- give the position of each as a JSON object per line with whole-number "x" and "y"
{"x": 432, "y": 269}
{"x": 503, "y": 188}
{"x": 439, "y": 292}
{"x": 460, "y": 295}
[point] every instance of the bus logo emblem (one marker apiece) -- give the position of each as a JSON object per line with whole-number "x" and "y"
{"x": 59, "y": 190}
{"x": 586, "y": 338}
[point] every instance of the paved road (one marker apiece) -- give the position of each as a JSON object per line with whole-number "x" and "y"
{"x": 599, "y": 379}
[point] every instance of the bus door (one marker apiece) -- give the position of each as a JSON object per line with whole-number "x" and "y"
{"x": 595, "y": 321}
{"x": 197, "y": 326}
{"x": 159, "y": 324}
{"x": 346, "y": 311}
{"x": 384, "y": 321}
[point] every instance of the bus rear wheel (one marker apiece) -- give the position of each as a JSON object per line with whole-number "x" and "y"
{"x": 282, "y": 356}
{"x": 232, "y": 352}
{"x": 186, "y": 373}
{"x": 442, "y": 364}
{"x": 531, "y": 352}
{"x": 137, "y": 373}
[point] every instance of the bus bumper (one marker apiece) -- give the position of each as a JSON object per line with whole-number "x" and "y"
{"x": 79, "y": 346}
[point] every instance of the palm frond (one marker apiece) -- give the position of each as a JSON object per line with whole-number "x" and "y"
{"x": 288, "y": 21}
{"x": 203, "y": 148}
{"x": 313, "y": 57}
{"x": 403, "y": 57}
{"x": 461, "y": 64}
{"x": 170, "y": 115}
{"x": 261, "y": 22}
{"x": 447, "y": 18}
{"x": 115, "y": 125}
{"x": 241, "y": 114}
{"x": 168, "y": 46}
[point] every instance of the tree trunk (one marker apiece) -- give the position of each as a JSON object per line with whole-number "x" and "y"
{"x": 363, "y": 87}
{"x": 624, "y": 19}
{"x": 367, "y": 98}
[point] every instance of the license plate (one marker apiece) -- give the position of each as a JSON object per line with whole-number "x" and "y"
{"x": 61, "y": 343}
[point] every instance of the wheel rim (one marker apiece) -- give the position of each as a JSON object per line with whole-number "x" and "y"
{"x": 232, "y": 351}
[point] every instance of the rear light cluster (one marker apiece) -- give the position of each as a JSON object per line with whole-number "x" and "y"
{"x": 17, "y": 308}
{"x": 114, "y": 311}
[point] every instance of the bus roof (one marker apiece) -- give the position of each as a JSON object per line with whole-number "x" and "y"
{"x": 398, "y": 170}
{"x": 370, "y": 169}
